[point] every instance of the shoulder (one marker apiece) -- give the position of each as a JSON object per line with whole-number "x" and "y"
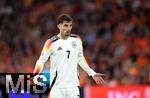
{"x": 51, "y": 40}
{"x": 78, "y": 38}
{"x": 75, "y": 36}
{"x": 54, "y": 38}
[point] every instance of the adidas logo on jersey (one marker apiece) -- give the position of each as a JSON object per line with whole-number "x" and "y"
{"x": 59, "y": 49}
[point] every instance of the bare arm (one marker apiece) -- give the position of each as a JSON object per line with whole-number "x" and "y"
{"x": 43, "y": 57}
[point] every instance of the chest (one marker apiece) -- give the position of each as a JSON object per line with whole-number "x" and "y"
{"x": 65, "y": 48}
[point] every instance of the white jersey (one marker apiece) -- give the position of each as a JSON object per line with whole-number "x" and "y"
{"x": 65, "y": 55}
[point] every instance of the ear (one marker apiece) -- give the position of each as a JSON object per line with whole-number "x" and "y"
{"x": 58, "y": 26}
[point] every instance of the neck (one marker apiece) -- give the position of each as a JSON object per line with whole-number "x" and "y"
{"x": 62, "y": 36}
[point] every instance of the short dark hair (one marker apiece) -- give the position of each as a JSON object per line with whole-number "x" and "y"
{"x": 64, "y": 17}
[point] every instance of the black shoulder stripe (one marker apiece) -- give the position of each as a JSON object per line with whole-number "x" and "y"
{"x": 74, "y": 35}
{"x": 54, "y": 38}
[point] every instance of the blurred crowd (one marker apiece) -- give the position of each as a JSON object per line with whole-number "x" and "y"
{"x": 115, "y": 34}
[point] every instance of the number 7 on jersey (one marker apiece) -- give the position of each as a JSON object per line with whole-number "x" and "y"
{"x": 68, "y": 51}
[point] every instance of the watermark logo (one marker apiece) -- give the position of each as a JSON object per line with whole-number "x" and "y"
{"x": 25, "y": 83}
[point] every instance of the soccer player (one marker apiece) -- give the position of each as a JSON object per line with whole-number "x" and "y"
{"x": 66, "y": 52}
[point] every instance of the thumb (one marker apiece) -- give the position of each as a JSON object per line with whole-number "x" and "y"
{"x": 99, "y": 74}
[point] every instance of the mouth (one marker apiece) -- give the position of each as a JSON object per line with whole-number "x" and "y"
{"x": 67, "y": 33}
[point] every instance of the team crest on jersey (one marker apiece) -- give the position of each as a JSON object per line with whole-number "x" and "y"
{"x": 74, "y": 45}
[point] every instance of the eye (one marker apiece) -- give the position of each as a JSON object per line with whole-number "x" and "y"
{"x": 66, "y": 25}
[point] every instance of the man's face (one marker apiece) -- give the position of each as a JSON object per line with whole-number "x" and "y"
{"x": 65, "y": 28}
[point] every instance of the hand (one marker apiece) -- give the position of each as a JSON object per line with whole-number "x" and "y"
{"x": 98, "y": 78}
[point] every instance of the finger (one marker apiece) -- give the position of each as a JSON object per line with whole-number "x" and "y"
{"x": 100, "y": 74}
{"x": 101, "y": 80}
{"x": 98, "y": 82}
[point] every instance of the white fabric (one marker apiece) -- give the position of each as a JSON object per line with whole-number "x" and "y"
{"x": 65, "y": 92}
{"x": 65, "y": 62}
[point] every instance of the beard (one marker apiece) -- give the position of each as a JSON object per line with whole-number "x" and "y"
{"x": 67, "y": 33}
